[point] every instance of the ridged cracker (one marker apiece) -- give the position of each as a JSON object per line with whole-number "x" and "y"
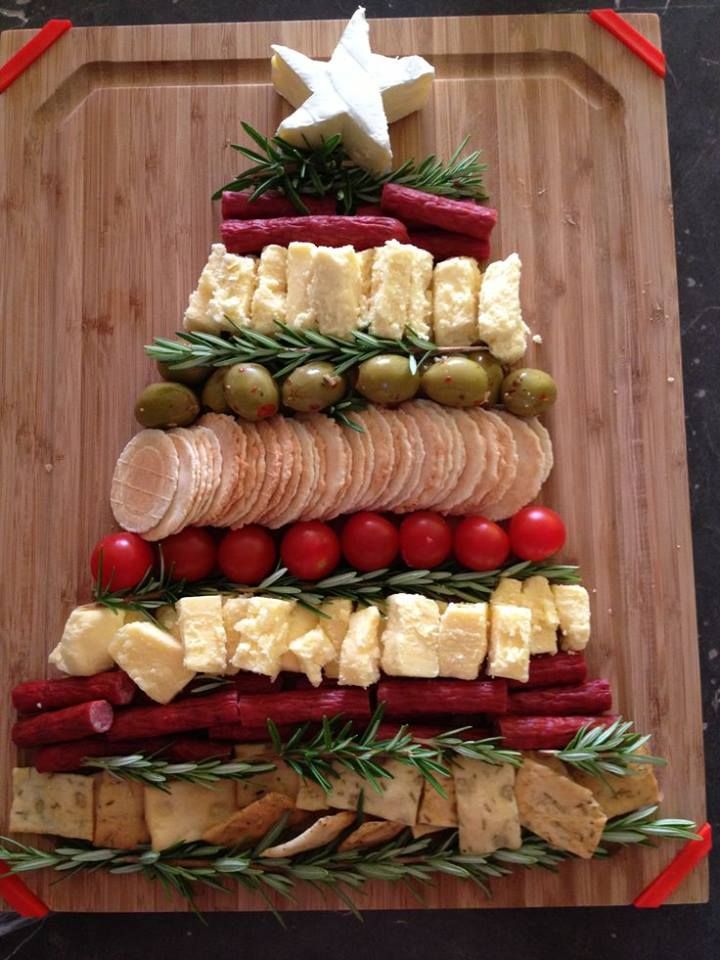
{"x": 475, "y": 459}
{"x": 144, "y": 481}
{"x": 188, "y": 481}
{"x": 530, "y": 467}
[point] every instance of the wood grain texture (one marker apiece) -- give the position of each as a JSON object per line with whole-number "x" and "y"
{"x": 111, "y": 146}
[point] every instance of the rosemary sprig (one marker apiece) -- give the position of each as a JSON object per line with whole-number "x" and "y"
{"x": 607, "y": 750}
{"x": 158, "y": 773}
{"x": 327, "y": 170}
{"x": 641, "y": 826}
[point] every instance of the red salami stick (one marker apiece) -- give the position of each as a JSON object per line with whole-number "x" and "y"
{"x": 458, "y": 216}
{"x": 545, "y": 733}
{"x": 250, "y": 236}
{"x": 197, "y": 713}
{"x": 426, "y": 731}
{"x": 115, "y": 686}
{"x": 299, "y": 706}
{"x": 256, "y": 683}
{"x": 72, "y": 723}
{"x": 553, "y": 670}
{"x": 423, "y": 698}
{"x": 66, "y": 757}
{"x": 442, "y": 244}
{"x": 237, "y": 205}
{"x": 237, "y": 733}
{"x": 595, "y": 696}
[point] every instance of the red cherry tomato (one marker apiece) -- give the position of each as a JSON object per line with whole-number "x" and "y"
{"x": 310, "y": 550}
{"x": 126, "y": 558}
{"x": 425, "y": 540}
{"x": 536, "y": 533}
{"x": 369, "y": 541}
{"x": 247, "y": 555}
{"x": 190, "y": 554}
{"x": 480, "y": 544}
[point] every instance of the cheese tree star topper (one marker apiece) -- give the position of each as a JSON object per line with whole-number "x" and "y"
{"x": 356, "y": 94}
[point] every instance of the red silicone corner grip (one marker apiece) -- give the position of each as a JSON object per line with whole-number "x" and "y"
{"x": 29, "y": 53}
{"x": 18, "y": 896}
{"x": 657, "y": 892}
{"x": 632, "y": 38}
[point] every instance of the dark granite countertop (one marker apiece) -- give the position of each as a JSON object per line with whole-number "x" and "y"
{"x": 691, "y": 36}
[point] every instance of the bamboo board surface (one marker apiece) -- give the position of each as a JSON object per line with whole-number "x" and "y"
{"x": 110, "y": 147}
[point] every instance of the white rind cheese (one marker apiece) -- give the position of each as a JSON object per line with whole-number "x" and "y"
{"x": 183, "y": 811}
{"x": 463, "y": 640}
{"x": 538, "y": 596}
{"x": 224, "y": 293}
{"x": 298, "y": 308}
{"x": 436, "y": 810}
{"x": 500, "y": 323}
{"x": 411, "y": 636}
{"x": 509, "y": 647}
{"x": 202, "y": 630}
{"x": 456, "y": 283}
{"x": 400, "y": 291}
{"x": 270, "y": 298}
{"x": 573, "y": 607}
{"x": 360, "y": 651}
{"x": 153, "y": 658}
{"x": 336, "y": 291}
{"x": 83, "y": 649}
{"x": 61, "y": 804}
{"x": 487, "y": 811}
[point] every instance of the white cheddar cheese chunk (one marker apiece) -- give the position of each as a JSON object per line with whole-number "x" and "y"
{"x": 301, "y": 620}
{"x": 233, "y": 611}
{"x": 183, "y": 811}
{"x": 337, "y": 616}
{"x": 313, "y": 650}
{"x": 200, "y": 620}
{"x": 509, "y": 647}
{"x": 360, "y": 651}
{"x": 487, "y": 812}
{"x": 456, "y": 283}
{"x": 411, "y": 636}
{"x": 400, "y": 298}
{"x": 224, "y": 293}
{"x": 264, "y": 636}
{"x": 167, "y": 617}
{"x": 436, "y": 810}
{"x": 399, "y": 799}
{"x": 298, "y": 308}
{"x": 538, "y": 596}
{"x": 119, "y": 813}
{"x": 366, "y": 259}
{"x": 153, "y": 658}
{"x": 573, "y": 608}
{"x": 463, "y": 640}
{"x": 508, "y": 591}
{"x": 336, "y": 291}
{"x": 56, "y": 803}
{"x": 500, "y": 323}
{"x": 84, "y": 646}
{"x": 270, "y": 298}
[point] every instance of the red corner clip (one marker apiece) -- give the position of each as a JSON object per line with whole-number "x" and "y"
{"x": 657, "y": 892}
{"x": 632, "y": 39}
{"x": 29, "y": 53}
{"x": 18, "y": 896}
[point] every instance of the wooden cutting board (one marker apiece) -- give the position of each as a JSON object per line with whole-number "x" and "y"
{"x": 111, "y": 146}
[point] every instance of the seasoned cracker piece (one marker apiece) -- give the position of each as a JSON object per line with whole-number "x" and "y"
{"x": 56, "y": 803}
{"x": 319, "y": 834}
{"x": 183, "y": 811}
{"x": 119, "y": 813}
{"x": 620, "y": 795}
{"x": 487, "y": 812}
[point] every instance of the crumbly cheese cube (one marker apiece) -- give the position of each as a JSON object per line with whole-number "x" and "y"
{"x": 282, "y": 779}
{"x": 224, "y": 293}
{"x": 183, "y": 811}
{"x": 233, "y": 611}
{"x": 336, "y": 291}
{"x": 153, "y": 658}
{"x": 538, "y": 596}
{"x": 399, "y": 799}
{"x": 509, "y": 647}
{"x": 83, "y": 647}
{"x": 298, "y": 308}
{"x": 167, "y": 617}
{"x": 360, "y": 651}
{"x": 400, "y": 298}
{"x": 456, "y": 283}
{"x": 463, "y": 640}
{"x": 573, "y": 608}
{"x": 508, "y": 591}
{"x": 269, "y": 302}
{"x": 313, "y": 649}
{"x": 57, "y": 803}
{"x": 366, "y": 259}
{"x": 411, "y": 636}
{"x": 119, "y": 813}
{"x": 487, "y": 812}
{"x": 264, "y": 635}
{"x": 558, "y": 810}
{"x": 301, "y": 620}
{"x": 500, "y": 323}
{"x": 620, "y": 795}
{"x": 203, "y": 633}
{"x": 335, "y": 623}
{"x": 437, "y": 810}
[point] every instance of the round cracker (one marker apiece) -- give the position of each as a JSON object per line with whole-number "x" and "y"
{"x": 250, "y": 477}
{"x": 307, "y": 470}
{"x": 436, "y": 460}
{"x": 144, "y": 481}
{"x": 507, "y": 461}
{"x": 202, "y": 466}
{"x": 232, "y": 444}
{"x": 415, "y": 477}
{"x": 530, "y": 466}
{"x": 543, "y": 436}
{"x": 290, "y": 458}
{"x": 404, "y": 460}
{"x": 334, "y": 452}
{"x": 487, "y": 481}
{"x": 264, "y": 471}
{"x": 188, "y": 480}
{"x": 362, "y": 458}
{"x": 476, "y": 456}
{"x": 454, "y": 446}
{"x": 373, "y": 421}
{"x": 213, "y": 466}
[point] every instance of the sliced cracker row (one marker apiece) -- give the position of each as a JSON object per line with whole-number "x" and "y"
{"x": 486, "y": 478}
{"x": 437, "y": 460}
{"x": 415, "y": 477}
{"x": 308, "y": 471}
{"x": 289, "y": 447}
{"x": 208, "y": 450}
{"x": 545, "y": 442}
{"x": 334, "y": 479}
{"x": 507, "y": 466}
{"x": 232, "y": 445}
{"x": 362, "y": 458}
{"x": 186, "y": 490}
{"x": 404, "y": 460}
{"x": 144, "y": 481}
{"x": 456, "y": 455}
{"x": 373, "y": 421}
{"x": 250, "y": 479}
{"x": 475, "y": 459}
{"x": 528, "y": 477}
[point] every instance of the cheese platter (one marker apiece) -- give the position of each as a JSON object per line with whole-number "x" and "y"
{"x": 396, "y": 386}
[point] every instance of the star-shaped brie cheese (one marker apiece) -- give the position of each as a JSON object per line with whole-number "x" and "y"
{"x": 356, "y": 93}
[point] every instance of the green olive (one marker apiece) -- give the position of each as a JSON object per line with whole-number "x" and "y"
{"x": 527, "y": 392}
{"x": 251, "y": 392}
{"x": 495, "y": 373}
{"x": 313, "y": 387}
{"x": 213, "y": 393}
{"x": 192, "y": 376}
{"x": 166, "y": 405}
{"x": 456, "y": 382}
{"x": 387, "y": 379}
